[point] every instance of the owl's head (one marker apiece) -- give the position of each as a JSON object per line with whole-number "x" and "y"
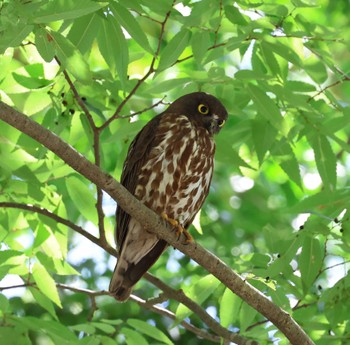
{"x": 203, "y": 109}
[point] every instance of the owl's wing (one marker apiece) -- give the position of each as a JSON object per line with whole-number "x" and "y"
{"x": 137, "y": 155}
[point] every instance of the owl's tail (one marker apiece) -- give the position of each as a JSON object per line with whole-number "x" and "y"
{"x": 127, "y": 274}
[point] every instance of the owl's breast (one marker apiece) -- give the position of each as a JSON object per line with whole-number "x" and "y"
{"x": 178, "y": 172}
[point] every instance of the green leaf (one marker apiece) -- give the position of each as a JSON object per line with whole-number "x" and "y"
{"x": 84, "y": 327}
{"x": 285, "y": 51}
{"x": 130, "y": 24}
{"x": 337, "y": 302}
{"x": 285, "y": 156}
{"x": 31, "y": 83}
{"x": 198, "y": 292}
{"x": 246, "y": 315}
{"x": 316, "y": 69}
{"x": 82, "y": 198}
{"x": 84, "y": 31}
{"x": 63, "y": 268}
{"x": 14, "y": 36}
{"x": 13, "y": 336}
{"x": 281, "y": 263}
{"x": 326, "y": 160}
{"x": 114, "y": 48}
{"x": 229, "y": 308}
{"x": 174, "y": 49}
{"x": 323, "y": 200}
{"x": 247, "y": 74}
{"x": 299, "y": 86}
{"x": 270, "y": 59}
{"x": 200, "y": 44}
{"x": 104, "y": 327}
{"x": 41, "y": 235}
{"x": 264, "y": 135}
{"x": 133, "y": 337}
{"x": 167, "y": 85}
{"x": 44, "y": 44}
{"x": 43, "y": 301}
{"x": 65, "y": 9}
{"x": 4, "y": 304}
{"x": 45, "y": 283}
{"x": 71, "y": 58}
{"x": 235, "y": 16}
{"x": 149, "y": 330}
{"x": 310, "y": 261}
{"x": 61, "y": 334}
{"x": 266, "y": 106}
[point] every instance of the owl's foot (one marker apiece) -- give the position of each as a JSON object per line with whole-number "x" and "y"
{"x": 179, "y": 229}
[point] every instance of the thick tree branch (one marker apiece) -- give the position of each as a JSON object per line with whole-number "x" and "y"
{"x": 154, "y": 223}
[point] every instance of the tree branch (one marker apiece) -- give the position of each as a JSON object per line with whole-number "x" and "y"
{"x": 153, "y": 222}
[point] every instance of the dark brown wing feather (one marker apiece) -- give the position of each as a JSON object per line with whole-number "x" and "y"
{"x": 136, "y": 157}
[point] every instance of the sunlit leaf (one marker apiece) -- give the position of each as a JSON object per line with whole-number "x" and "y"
{"x": 65, "y": 9}
{"x": 199, "y": 292}
{"x": 113, "y": 47}
{"x": 235, "y": 16}
{"x": 325, "y": 160}
{"x": 14, "y": 36}
{"x": 70, "y": 57}
{"x": 128, "y": 21}
{"x": 266, "y": 106}
{"x": 44, "y": 45}
{"x": 264, "y": 135}
{"x": 173, "y": 49}
{"x": 200, "y": 44}
{"x": 287, "y": 160}
{"x": 269, "y": 58}
{"x": 45, "y": 283}
{"x": 84, "y": 31}
{"x": 82, "y": 198}
{"x": 229, "y": 308}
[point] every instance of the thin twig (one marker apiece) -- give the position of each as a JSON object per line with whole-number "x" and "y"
{"x": 61, "y": 220}
{"x": 76, "y": 95}
{"x": 96, "y": 147}
{"x": 337, "y": 82}
{"x": 149, "y": 72}
{"x": 165, "y": 312}
{"x": 143, "y": 110}
{"x": 181, "y": 297}
{"x": 216, "y": 32}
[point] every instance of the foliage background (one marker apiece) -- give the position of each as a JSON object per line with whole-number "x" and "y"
{"x": 278, "y": 207}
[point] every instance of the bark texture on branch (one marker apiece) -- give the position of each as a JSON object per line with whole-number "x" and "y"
{"x": 281, "y": 319}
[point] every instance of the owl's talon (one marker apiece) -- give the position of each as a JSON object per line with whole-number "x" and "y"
{"x": 178, "y": 228}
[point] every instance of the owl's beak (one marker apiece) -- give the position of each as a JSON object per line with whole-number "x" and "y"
{"x": 215, "y": 124}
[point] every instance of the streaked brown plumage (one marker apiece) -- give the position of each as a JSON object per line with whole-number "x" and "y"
{"x": 169, "y": 168}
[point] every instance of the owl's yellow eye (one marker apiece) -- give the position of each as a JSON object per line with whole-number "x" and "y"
{"x": 221, "y": 123}
{"x": 203, "y": 109}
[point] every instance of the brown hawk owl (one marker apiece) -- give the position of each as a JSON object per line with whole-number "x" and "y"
{"x": 169, "y": 167}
